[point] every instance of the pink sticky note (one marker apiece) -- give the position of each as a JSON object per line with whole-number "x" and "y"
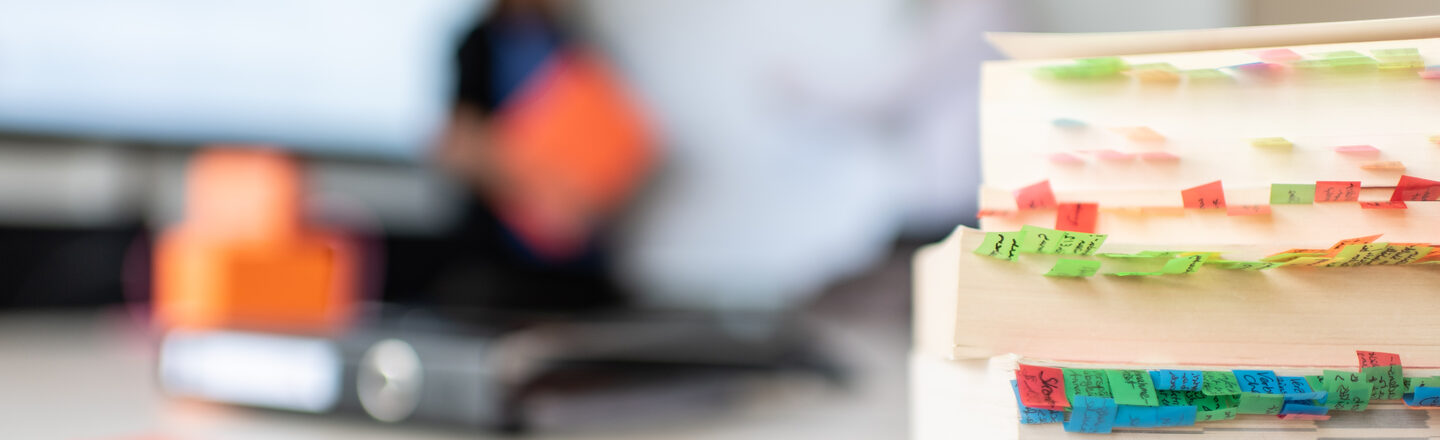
{"x": 1066, "y": 159}
{"x": 1207, "y": 196}
{"x": 1158, "y": 156}
{"x": 1358, "y": 150}
{"x": 1277, "y": 55}
{"x": 1244, "y": 210}
{"x": 1113, "y": 156}
{"x": 1415, "y": 189}
{"x": 1430, "y": 74}
{"x": 1037, "y": 196}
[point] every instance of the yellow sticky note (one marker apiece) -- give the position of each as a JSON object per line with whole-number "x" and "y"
{"x": 1272, "y": 142}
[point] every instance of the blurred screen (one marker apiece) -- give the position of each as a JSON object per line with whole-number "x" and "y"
{"x": 351, "y": 77}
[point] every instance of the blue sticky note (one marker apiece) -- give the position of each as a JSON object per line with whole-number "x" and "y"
{"x": 1131, "y": 416}
{"x": 1300, "y": 408}
{"x": 1424, "y": 396}
{"x": 1175, "y": 416}
{"x": 1068, "y": 123}
{"x": 1091, "y": 414}
{"x": 1258, "y": 381}
{"x": 1296, "y": 388}
{"x": 1176, "y": 380}
{"x": 1035, "y": 416}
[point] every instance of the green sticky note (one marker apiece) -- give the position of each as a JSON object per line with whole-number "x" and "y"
{"x": 1219, "y": 383}
{"x": 1216, "y": 415}
{"x": 1085, "y": 382}
{"x": 1416, "y": 382}
{"x": 1387, "y": 382}
{"x": 1292, "y": 194}
{"x": 1205, "y": 74}
{"x": 1132, "y": 387}
{"x": 1261, "y": 403}
{"x": 1038, "y": 240}
{"x": 1347, "y": 396}
{"x": 1288, "y": 256}
{"x": 1066, "y": 267}
{"x": 1002, "y": 245}
{"x": 1243, "y": 265}
{"x": 1079, "y": 243}
{"x": 1185, "y": 264}
{"x": 1135, "y": 274}
{"x": 1316, "y": 383}
{"x": 1332, "y": 376}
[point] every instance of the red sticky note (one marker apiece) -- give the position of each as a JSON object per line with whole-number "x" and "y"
{"x": 1037, "y": 196}
{"x": 1337, "y": 191}
{"x": 1377, "y": 359}
{"x": 1415, "y": 189}
{"x": 1382, "y": 205}
{"x": 1274, "y": 55}
{"x": 1358, "y": 150}
{"x": 1077, "y": 217}
{"x": 1065, "y": 159}
{"x": 1240, "y": 210}
{"x": 1158, "y": 156}
{"x": 1207, "y": 196}
{"x": 1042, "y": 387}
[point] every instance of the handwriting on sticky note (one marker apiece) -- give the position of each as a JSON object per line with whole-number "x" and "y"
{"x": 1382, "y": 205}
{"x": 1180, "y": 380}
{"x": 1386, "y": 382}
{"x": 1348, "y": 396}
{"x": 1292, "y": 194}
{"x": 1002, "y": 245}
{"x": 1036, "y": 196}
{"x": 1219, "y": 383}
{"x": 1091, "y": 414}
{"x": 1335, "y": 248}
{"x": 1031, "y": 416}
{"x": 1184, "y": 264}
{"x": 1175, "y": 416}
{"x": 1042, "y": 387}
{"x": 1131, "y": 416}
{"x": 1086, "y": 382}
{"x": 1077, "y": 217}
{"x": 1376, "y": 359}
{"x": 1244, "y": 265}
{"x": 1215, "y": 415}
{"x": 1424, "y": 397}
{"x": 1259, "y": 403}
{"x": 1337, "y": 191}
{"x": 1258, "y": 381}
{"x": 1132, "y": 387}
{"x": 1207, "y": 196}
{"x": 1066, "y": 267}
{"x": 1415, "y": 189}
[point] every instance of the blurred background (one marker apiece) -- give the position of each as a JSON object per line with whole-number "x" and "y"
{"x": 456, "y": 218}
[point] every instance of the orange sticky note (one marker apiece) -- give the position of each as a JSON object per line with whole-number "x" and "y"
{"x": 1382, "y": 205}
{"x": 1037, "y": 196}
{"x": 1242, "y": 210}
{"x": 1143, "y": 134}
{"x": 1158, "y": 156}
{"x": 1207, "y": 196}
{"x": 1358, "y": 150}
{"x": 1337, "y": 191}
{"x": 1339, "y": 245}
{"x": 1077, "y": 217}
{"x": 1415, "y": 189}
{"x": 1386, "y": 165}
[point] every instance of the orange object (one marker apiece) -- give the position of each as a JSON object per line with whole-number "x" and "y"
{"x": 573, "y": 147}
{"x": 243, "y": 257}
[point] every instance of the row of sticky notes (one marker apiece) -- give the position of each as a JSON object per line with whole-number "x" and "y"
{"x": 1073, "y": 217}
{"x": 1097, "y": 400}
{"x": 1408, "y": 189}
{"x": 1272, "y": 61}
{"x": 1037, "y": 240}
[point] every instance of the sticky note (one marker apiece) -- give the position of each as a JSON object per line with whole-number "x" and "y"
{"x": 1216, "y": 415}
{"x": 1385, "y": 165}
{"x": 1260, "y": 403}
{"x": 1416, "y": 382}
{"x": 1382, "y": 205}
{"x": 1032, "y": 416}
{"x": 1358, "y": 150}
{"x": 1207, "y": 196}
{"x": 1424, "y": 397}
{"x": 1079, "y": 243}
{"x": 1277, "y": 143}
{"x": 1036, "y": 196}
{"x": 1348, "y": 396}
{"x": 1278, "y": 55}
{"x": 1415, "y": 189}
{"x": 1154, "y": 73}
{"x": 1337, "y": 191}
{"x": 1002, "y": 245}
{"x": 1205, "y": 75}
{"x": 1316, "y": 382}
{"x": 1066, "y": 267}
{"x": 1303, "y": 408}
{"x": 1042, "y": 387}
{"x": 1332, "y": 376}
{"x": 1308, "y": 262}
{"x": 1175, "y": 416}
{"x": 1292, "y": 194}
{"x": 1077, "y": 217}
{"x": 1183, "y": 265}
{"x": 1258, "y": 381}
{"x": 1387, "y": 382}
{"x": 1430, "y": 73}
{"x": 1131, "y": 416}
{"x": 1038, "y": 240}
{"x": 1068, "y": 123}
{"x": 1088, "y": 68}
{"x": 1247, "y": 210}
{"x": 1398, "y": 59}
{"x": 1179, "y": 380}
{"x": 1135, "y": 274}
{"x": 1297, "y": 388}
{"x": 1244, "y": 265}
{"x": 1114, "y": 156}
{"x": 1065, "y": 159}
{"x": 1342, "y": 244}
{"x": 1158, "y": 157}
{"x": 1304, "y": 417}
{"x": 1091, "y": 414}
{"x": 1132, "y": 387}
{"x": 1375, "y": 358}
{"x": 1085, "y": 382}
{"x": 1219, "y": 383}
{"x": 1143, "y": 134}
